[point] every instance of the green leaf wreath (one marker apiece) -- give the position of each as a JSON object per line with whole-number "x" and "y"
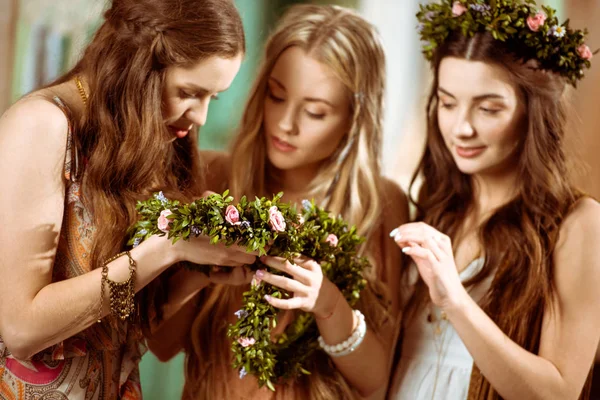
{"x": 532, "y": 32}
{"x": 273, "y": 228}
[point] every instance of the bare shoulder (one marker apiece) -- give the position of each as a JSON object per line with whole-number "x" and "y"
{"x": 582, "y": 225}
{"x": 576, "y": 257}
{"x": 216, "y": 167}
{"x": 34, "y": 119}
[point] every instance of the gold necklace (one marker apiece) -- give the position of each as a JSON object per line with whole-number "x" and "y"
{"x": 438, "y": 332}
{"x": 81, "y": 89}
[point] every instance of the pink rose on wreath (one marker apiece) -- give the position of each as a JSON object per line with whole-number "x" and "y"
{"x": 163, "y": 221}
{"x": 245, "y": 342}
{"x": 276, "y": 220}
{"x": 332, "y": 240}
{"x": 458, "y": 9}
{"x": 232, "y": 215}
{"x": 534, "y": 23}
{"x": 584, "y": 52}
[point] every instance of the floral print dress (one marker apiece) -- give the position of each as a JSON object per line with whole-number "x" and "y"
{"x": 100, "y": 362}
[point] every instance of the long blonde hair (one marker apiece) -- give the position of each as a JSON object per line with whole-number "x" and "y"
{"x": 348, "y": 183}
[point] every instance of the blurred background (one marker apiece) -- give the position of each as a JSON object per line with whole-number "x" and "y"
{"x": 41, "y": 39}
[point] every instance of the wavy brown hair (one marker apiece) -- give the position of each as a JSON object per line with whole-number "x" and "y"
{"x": 349, "y": 183}
{"x": 519, "y": 238}
{"x": 121, "y": 139}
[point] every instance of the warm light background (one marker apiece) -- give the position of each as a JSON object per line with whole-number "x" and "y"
{"x": 39, "y": 39}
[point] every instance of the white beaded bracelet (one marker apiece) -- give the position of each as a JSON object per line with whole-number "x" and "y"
{"x": 350, "y": 344}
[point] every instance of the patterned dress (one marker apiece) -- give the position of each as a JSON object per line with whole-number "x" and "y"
{"x": 100, "y": 362}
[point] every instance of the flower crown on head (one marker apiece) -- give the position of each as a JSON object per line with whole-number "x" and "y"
{"x": 529, "y": 31}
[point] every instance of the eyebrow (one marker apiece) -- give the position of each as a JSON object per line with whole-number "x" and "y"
{"x": 309, "y": 99}
{"x": 200, "y": 89}
{"x": 485, "y": 96}
{"x": 195, "y": 87}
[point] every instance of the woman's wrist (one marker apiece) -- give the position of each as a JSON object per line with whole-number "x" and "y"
{"x": 160, "y": 250}
{"x": 331, "y": 297}
{"x": 457, "y": 306}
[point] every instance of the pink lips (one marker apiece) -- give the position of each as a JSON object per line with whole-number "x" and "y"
{"x": 469, "y": 152}
{"x": 282, "y": 146}
{"x": 180, "y": 133}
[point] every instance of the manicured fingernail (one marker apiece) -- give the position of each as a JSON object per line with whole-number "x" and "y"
{"x": 267, "y": 297}
{"x": 260, "y": 273}
{"x": 406, "y": 249}
{"x": 394, "y": 232}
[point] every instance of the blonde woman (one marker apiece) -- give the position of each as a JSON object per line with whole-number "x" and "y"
{"x": 312, "y": 129}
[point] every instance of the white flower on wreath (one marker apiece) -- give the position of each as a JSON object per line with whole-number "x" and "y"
{"x": 557, "y": 31}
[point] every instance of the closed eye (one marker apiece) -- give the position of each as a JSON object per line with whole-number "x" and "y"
{"x": 490, "y": 111}
{"x": 275, "y": 98}
{"x": 447, "y": 106}
{"x": 315, "y": 116}
{"x": 186, "y": 95}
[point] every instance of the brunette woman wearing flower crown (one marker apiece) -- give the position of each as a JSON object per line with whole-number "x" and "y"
{"x": 506, "y": 270}
{"x": 75, "y": 157}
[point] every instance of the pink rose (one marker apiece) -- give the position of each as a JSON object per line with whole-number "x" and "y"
{"x": 276, "y": 220}
{"x": 534, "y": 23}
{"x": 458, "y": 9}
{"x": 232, "y": 215}
{"x": 163, "y": 221}
{"x": 245, "y": 342}
{"x": 585, "y": 52}
{"x": 332, "y": 240}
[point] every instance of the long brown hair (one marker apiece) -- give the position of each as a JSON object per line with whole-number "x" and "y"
{"x": 348, "y": 183}
{"x": 519, "y": 238}
{"x": 121, "y": 137}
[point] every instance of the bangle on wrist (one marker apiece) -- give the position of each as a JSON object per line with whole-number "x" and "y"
{"x": 349, "y": 345}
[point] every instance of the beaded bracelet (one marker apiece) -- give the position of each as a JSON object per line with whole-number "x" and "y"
{"x": 350, "y": 344}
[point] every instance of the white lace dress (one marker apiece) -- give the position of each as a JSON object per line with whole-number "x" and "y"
{"x": 434, "y": 363}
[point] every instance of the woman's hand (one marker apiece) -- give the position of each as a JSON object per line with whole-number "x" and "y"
{"x": 199, "y": 250}
{"x": 312, "y": 291}
{"x": 432, "y": 252}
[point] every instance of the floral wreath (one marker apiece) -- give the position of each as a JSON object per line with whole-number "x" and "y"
{"x": 532, "y": 32}
{"x": 273, "y": 228}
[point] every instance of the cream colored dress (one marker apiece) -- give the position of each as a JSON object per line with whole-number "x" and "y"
{"x": 434, "y": 363}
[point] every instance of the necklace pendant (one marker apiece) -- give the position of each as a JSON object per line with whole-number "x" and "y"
{"x": 438, "y": 330}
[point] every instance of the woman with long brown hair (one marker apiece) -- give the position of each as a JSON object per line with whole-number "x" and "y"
{"x": 506, "y": 270}
{"x": 75, "y": 157}
{"x": 312, "y": 128}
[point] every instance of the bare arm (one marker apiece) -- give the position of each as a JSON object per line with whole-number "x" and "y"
{"x": 35, "y": 312}
{"x": 167, "y": 338}
{"x": 367, "y": 368}
{"x": 570, "y": 330}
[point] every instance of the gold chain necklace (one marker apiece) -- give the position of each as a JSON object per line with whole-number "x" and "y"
{"x": 81, "y": 89}
{"x": 438, "y": 332}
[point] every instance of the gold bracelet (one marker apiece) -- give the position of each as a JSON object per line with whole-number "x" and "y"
{"x": 122, "y": 302}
